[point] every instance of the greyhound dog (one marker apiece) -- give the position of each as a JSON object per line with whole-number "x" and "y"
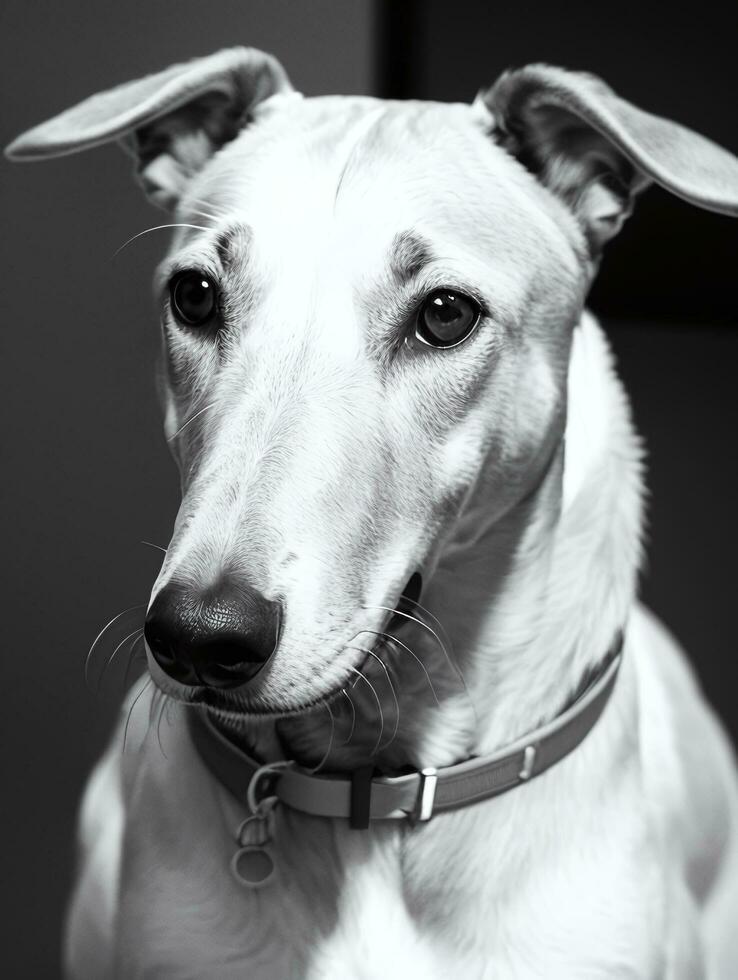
{"x": 417, "y": 724}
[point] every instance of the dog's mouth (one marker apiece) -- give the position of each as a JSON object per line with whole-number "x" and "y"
{"x": 233, "y": 703}
{"x": 407, "y": 602}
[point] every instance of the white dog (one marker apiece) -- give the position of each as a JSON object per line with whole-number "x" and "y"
{"x": 379, "y": 379}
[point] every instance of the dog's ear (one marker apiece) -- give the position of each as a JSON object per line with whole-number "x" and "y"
{"x": 172, "y": 121}
{"x": 597, "y": 151}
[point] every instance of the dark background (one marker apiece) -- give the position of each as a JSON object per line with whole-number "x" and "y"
{"x": 86, "y": 472}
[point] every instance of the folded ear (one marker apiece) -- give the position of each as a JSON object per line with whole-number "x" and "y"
{"x": 172, "y": 121}
{"x": 597, "y": 151}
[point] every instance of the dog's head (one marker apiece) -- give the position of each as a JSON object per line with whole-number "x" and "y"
{"x": 366, "y": 317}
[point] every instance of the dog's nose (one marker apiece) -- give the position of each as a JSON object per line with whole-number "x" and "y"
{"x": 219, "y": 639}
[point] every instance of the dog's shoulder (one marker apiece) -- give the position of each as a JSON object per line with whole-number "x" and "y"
{"x": 90, "y": 926}
{"x": 688, "y": 766}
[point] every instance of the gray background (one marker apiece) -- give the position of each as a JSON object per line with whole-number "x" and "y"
{"x": 87, "y": 475}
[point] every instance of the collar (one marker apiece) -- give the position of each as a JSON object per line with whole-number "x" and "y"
{"x": 363, "y": 795}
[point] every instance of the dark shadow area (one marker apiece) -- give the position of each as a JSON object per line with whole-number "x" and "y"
{"x": 681, "y": 382}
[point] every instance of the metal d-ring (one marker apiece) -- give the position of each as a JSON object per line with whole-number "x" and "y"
{"x": 269, "y": 802}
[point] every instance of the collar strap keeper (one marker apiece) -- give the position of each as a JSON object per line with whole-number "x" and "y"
{"x": 360, "y": 811}
{"x": 363, "y": 796}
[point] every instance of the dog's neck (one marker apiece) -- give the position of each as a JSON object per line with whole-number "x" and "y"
{"x": 530, "y": 605}
{"x": 546, "y": 589}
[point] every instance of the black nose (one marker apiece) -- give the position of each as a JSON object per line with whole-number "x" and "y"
{"x": 221, "y": 638}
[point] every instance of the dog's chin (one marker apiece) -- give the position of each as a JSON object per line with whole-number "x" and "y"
{"x": 243, "y": 705}
{"x": 267, "y": 706}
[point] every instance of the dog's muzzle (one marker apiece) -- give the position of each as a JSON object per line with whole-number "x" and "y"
{"x": 219, "y": 639}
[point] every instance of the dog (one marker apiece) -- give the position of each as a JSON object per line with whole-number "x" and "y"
{"x": 417, "y": 723}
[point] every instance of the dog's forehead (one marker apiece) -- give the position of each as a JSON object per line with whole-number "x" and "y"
{"x": 364, "y": 170}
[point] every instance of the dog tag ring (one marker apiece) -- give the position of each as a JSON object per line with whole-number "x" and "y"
{"x": 253, "y": 866}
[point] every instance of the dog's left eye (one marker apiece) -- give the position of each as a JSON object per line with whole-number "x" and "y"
{"x": 446, "y": 318}
{"x": 193, "y": 297}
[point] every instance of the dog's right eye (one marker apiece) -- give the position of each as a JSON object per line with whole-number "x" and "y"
{"x": 446, "y": 318}
{"x": 194, "y": 298}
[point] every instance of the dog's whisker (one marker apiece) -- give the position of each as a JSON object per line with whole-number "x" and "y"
{"x": 190, "y": 419}
{"x": 379, "y": 706}
{"x": 330, "y": 741}
{"x": 414, "y": 619}
{"x": 152, "y": 702}
{"x": 131, "y": 659}
{"x": 205, "y": 214}
{"x": 215, "y": 213}
{"x": 137, "y": 632}
{"x": 392, "y": 688}
{"x": 407, "y": 649}
{"x": 394, "y": 696}
{"x": 162, "y": 706}
{"x": 450, "y": 657}
{"x": 437, "y": 623}
{"x": 150, "y": 544}
{"x": 130, "y": 712}
{"x": 100, "y": 636}
{"x": 152, "y": 705}
{"x": 353, "y": 715}
{"x": 147, "y": 231}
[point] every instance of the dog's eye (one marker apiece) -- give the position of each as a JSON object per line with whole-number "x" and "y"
{"x": 446, "y": 318}
{"x": 194, "y": 298}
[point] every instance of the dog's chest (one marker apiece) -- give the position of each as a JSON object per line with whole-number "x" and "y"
{"x": 448, "y": 898}
{"x": 335, "y": 909}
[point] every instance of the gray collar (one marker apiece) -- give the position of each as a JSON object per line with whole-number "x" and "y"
{"x": 363, "y": 795}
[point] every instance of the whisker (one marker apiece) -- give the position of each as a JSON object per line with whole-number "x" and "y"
{"x": 394, "y": 695}
{"x": 147, "y": 231}
{"x": 150, "y": 544}
{"x": 450, "y": 658}
{"x": 131, "y": 659}
{"x": 452, "y": 665}
{"x": 152, "y": 704}
{"x": 100, "y": 635}
{"x": 439, "y": 625}
{"x": 190, "y": 419}
{"x": 379, "y": 706}
{"x": 111, "y": 658}
{"x": 392, "y": 688}
{"x": 415, "y": 657}
{"x": 130, "y": 712}
{"x": 330, "y": 741}
{"x": 162, "y": 706}
{"x": 203, "y": 214}
{"x": 215, "y": 214}
{"x": 353, "y": 715}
